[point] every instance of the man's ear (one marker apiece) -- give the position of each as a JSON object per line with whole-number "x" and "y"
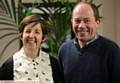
{"x": 98, "y": 22}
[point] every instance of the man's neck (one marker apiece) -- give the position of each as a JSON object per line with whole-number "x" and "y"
{"x": 82, "y": 43}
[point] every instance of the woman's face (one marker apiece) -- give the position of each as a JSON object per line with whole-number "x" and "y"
{"x": 32, "y": 36}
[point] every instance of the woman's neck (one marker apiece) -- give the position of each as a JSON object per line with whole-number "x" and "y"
{"x": 31, "y": 53}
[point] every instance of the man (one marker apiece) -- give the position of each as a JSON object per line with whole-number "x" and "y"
{"x": 89, "y": 58}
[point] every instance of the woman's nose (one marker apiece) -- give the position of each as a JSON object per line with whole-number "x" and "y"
{"x": 31, "y": 34}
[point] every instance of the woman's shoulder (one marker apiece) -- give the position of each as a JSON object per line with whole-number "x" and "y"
{"x": 6, "y": 70}
{"x": 58, "y": 74}
{"x": 8, "y": 62}
{"x": 53, "y": 60}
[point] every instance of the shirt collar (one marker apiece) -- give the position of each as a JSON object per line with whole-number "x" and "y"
{"x": 92, "y": 40}
{"x": 29, "y": 60}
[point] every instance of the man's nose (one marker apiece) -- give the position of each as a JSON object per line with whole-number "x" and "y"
{"x": 82, "y": 24}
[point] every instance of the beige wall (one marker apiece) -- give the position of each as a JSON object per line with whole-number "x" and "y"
{"x": 117, "y": 5}
{"x": 111, "y": 22}
{"x": 110, "y": 26}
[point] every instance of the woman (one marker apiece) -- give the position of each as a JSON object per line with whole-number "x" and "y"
{"x": 31, "y": 63}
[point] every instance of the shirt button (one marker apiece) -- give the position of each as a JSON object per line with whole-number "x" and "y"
{"x": 34, "y": 64}
{"x": 37, "y": 75}
{"x": 47, "y": 79}
{"x": 26, "y": 72}
{"x": 29, "y": 79}
{"x": 43, "y": 73}
{"x": 34, "y": 68}
{"x": 33, "y": 60}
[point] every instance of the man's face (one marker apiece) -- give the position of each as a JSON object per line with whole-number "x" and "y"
{"x": 84, "y": 24}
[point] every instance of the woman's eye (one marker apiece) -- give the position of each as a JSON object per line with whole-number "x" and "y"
{"x": 28, "y": 31}
{"x": 38, "y": 32}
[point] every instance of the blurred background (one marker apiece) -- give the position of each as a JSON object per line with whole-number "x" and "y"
{"x": 57, "y": 13}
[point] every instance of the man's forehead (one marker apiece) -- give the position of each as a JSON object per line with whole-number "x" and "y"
{"x": 83, "y": 8}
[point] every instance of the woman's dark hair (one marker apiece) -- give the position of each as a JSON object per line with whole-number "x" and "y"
{"x": 36, "y": 18}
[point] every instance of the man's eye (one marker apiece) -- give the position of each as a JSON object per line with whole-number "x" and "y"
{"x": 77, "y": 21}
{"x": 86, "y": 20}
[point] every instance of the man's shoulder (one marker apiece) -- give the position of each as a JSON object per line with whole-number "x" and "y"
{"x": 68, "y": 43}
{"x": 107, "y": 42}
{"x": 66, "y": 46}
